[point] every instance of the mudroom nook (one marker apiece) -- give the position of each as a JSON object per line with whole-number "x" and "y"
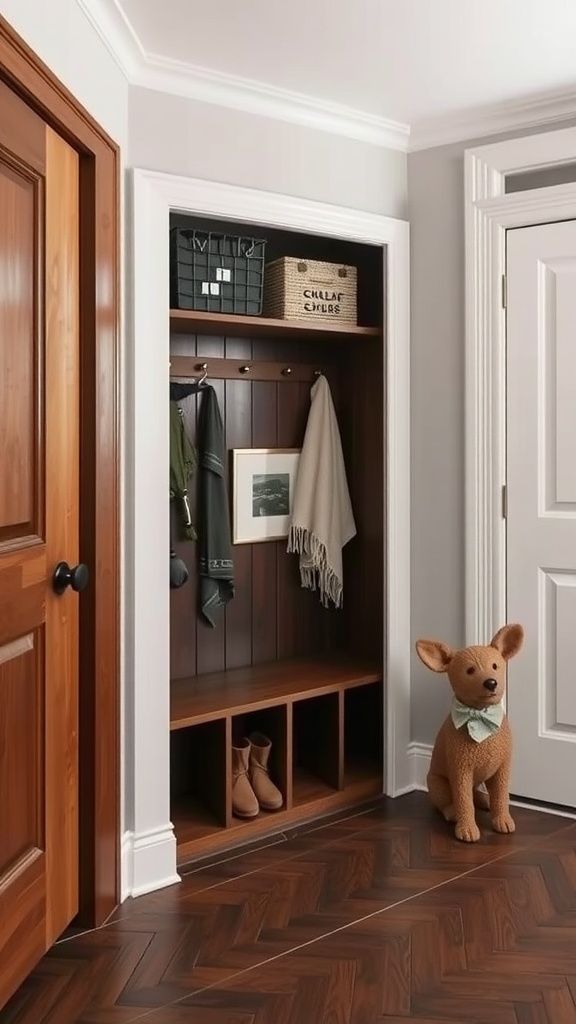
{"x": 277, "y": 662}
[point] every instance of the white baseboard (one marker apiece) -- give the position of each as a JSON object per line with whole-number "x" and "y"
{"x": 543, "y": 810}
{"x": 148, "y": 861}
{"x": 126, "y": 865}
{"x": 419, "y": 755}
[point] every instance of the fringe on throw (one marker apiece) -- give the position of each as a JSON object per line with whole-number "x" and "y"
{"x": 319, "y": 575}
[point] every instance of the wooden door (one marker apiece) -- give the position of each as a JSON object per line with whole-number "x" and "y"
{"x": 39, "y": 527}
{"x": 541, "y": 523}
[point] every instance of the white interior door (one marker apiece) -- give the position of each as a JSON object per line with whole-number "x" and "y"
{"x": 541, "y": 523}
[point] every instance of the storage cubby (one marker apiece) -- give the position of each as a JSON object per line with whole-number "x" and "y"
{"x": 316, "y": 748}
{"x": 199, "y": 763}
{"x": 272, "y": 723}
{"x": 278, "y": 662}
{"x": 362, "y": 734}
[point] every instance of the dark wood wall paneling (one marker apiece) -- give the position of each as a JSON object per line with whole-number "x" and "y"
{"x": 272, "y": 617}
{"x": 362, "y": 419}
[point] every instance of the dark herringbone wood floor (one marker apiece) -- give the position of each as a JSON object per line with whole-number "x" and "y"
{"x": 381, "y": 918}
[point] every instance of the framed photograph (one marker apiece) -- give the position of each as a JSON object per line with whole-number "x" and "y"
{"x": 263, "y": 482}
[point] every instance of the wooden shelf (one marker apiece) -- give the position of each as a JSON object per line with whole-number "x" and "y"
{"x": 225, "y": 694}
{"x": 185, "y": 321}
{"x": 309, "y": 789}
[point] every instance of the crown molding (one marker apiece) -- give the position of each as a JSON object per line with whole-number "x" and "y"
{"x": 252, "y": 97}
{"x": 543, "y": 109}
{"x": 178, "y": 78}
{"x": 116, "y": 32}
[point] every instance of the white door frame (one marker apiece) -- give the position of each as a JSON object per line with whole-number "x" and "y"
{"x": 149, "y": 849}
{"x": 489, "y": 212}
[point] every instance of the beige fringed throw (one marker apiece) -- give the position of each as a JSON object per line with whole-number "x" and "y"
{"x": 322, "y": 521}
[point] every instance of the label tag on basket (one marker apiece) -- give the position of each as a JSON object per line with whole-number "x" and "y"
{"x": 210, "y": 288}
{"x": 223, "y": 275}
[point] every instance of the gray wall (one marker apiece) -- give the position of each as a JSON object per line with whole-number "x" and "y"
{"x": 436, "y": 194}
{"x": 436, "y": 213}
{"x": 180, "y": 136}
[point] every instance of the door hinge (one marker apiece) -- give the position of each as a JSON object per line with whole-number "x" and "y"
{"x": 504, "y": 291}
{"x": 504, "y": 501}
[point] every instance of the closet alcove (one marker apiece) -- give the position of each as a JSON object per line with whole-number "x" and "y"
{"x": 278, "y": 662}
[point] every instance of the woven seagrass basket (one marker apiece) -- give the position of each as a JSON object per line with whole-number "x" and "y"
{"x": 297, "y": 289}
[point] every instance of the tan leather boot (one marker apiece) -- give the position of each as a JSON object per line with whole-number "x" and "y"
{"x": 244, "y": 802}
{"x": 267, "y": 794}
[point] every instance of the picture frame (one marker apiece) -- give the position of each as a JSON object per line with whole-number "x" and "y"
{"x": 263, "y": 481}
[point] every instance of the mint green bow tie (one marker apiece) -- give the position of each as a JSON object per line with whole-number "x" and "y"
{"x": 481, "y": 722}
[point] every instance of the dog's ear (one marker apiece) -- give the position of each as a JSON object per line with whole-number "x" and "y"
{"x": 508, "y": 640}
{"x": 434, "y": 654}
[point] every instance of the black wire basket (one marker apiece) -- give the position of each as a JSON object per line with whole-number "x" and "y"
{"x": 216, "y": 273}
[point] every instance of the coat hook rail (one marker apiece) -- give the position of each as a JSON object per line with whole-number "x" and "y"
{"x": 238, "y": 369}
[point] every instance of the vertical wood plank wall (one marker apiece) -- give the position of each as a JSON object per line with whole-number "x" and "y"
{"x": 271, "y": 616}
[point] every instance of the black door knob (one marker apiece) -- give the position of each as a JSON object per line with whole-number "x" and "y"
{"x": 64, "y": 576}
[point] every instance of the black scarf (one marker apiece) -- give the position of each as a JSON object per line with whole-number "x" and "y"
{"x": 215, "y": 564}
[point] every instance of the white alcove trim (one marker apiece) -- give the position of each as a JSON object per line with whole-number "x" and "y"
{"x": 149, "y": 848}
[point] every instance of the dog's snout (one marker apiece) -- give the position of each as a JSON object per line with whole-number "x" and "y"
{"x": 490, "y": 684}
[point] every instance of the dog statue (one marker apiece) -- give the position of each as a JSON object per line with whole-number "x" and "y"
{"x": 474, "y": 745}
